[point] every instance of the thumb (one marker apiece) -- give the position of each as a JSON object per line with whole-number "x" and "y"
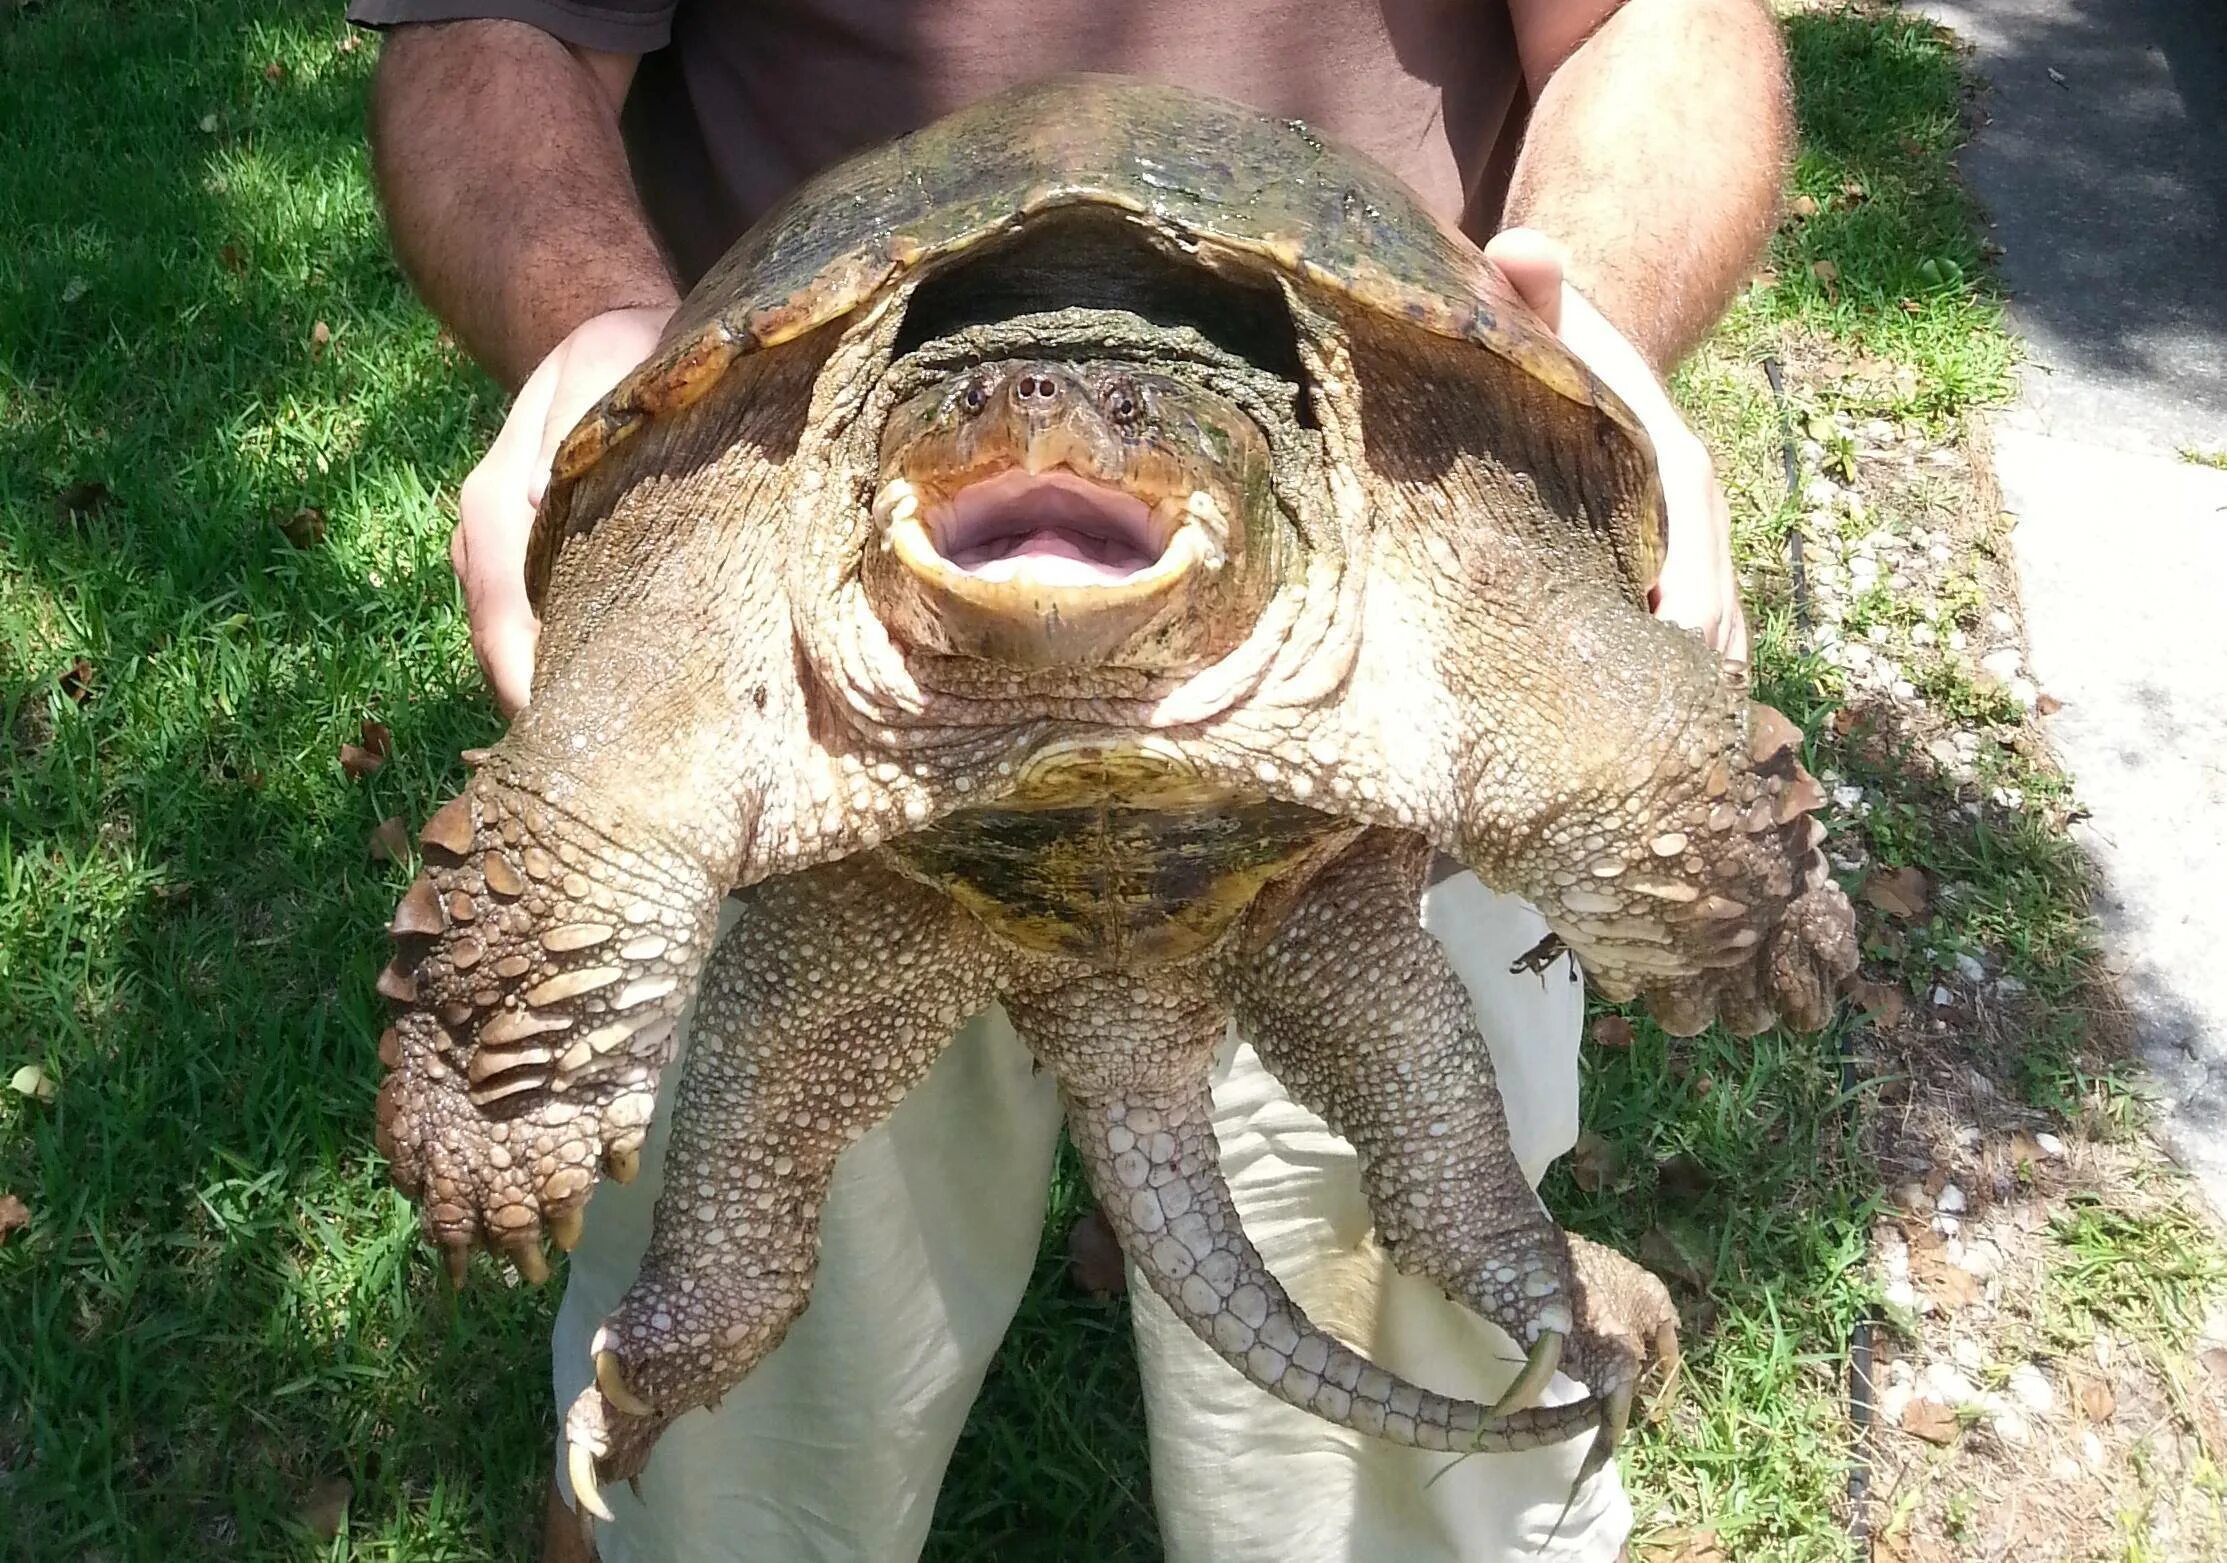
{"x": 1534, "y": 266}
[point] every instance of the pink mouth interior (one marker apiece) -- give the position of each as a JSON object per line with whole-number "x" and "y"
{"x": 1052, "y": 527}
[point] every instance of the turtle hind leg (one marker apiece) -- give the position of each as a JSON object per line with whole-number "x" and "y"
{"x": 1134, "y": 1061}
{"x": 822, "y": 1007}
{"x": 1352, "y": 1005}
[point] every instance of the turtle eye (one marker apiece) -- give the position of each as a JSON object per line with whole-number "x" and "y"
{"x": 1122, "y": 402}
{"x": 975, "y": 395}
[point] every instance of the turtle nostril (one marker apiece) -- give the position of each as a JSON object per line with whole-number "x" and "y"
{"x": 1035, "y": 390}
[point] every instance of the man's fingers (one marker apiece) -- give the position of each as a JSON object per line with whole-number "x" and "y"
{"x": 1534, "y": 266}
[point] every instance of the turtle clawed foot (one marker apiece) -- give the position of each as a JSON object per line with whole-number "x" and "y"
{"x": 1539, "y": 1368}
{"x": 608, "y": 1433}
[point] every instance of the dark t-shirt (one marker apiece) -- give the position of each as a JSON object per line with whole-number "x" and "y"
{"x": 735, "y": 104}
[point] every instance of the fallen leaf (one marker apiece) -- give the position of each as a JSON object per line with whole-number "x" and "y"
{"x": 78, "y": 678}
{"x": 1094, "y": 1261}
{"x": 1899, "y": 892}
{"x": 350, "y": 42}
{"x": 2096, "y": 1398}
{"x": 1680, "y": 1258}
{"x": 320, "y": 337}
{"x": 326, "y": 1505}
{"x": 2047, "y": 705}
{"x": 358, "y": 761}
{"x": 14, "y": 1215}
{"x": 1853, "y": 193}
{"x": 1824, "y": 271}
{"x": 1909, "y": 306}
{"x": 1882, "y": 1001}
{"x": 1700, "y": 1546}
{"x": 232, "y": 258}
{"x": 1594, "y": 1162}
{"x": 305, "y": 528}
{"x": 80, "y": 502}
{"x": 1703, "y": 1085}
{"x": 1612, "y": 1031}
{"x": 1930, "y": 1420}
{"x": 1768, "y": 277}
{"x": 275, "y": 71}
{"x": 1803, "y": 206}
{"x": 1912, "y": 147}
{"x": 390, "y": 840}
{"x": 1681, "y": 1179}
{"x": 377, "y": 737}
{"x": 34, "y": 1082}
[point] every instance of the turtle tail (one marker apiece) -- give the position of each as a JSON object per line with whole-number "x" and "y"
{"x": 1154, "y": 1167}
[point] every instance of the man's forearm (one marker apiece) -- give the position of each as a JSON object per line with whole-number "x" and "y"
{"x": 506, "y": 187}
{"x": 1655, "y": 154}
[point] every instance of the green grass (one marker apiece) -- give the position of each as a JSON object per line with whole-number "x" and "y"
{"x": 218, "y": 1303}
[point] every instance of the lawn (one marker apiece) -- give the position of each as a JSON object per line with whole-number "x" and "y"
{"x": 229, "y": 441}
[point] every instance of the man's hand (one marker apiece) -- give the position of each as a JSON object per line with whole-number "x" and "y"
{"x": 495, "y": 509}
{"x": 1697, "y": 588}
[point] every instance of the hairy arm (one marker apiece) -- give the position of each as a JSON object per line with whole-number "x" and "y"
{"x": 506, "y": 186}
{"x": 1657, "y": 142}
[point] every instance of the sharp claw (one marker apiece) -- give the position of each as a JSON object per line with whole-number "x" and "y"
{"x": 457, "y": 1257}
{"x": 1616, "y": 1415}
{"x": 565, "y": 1227}
{"x": 624, "y": 1164}
{"x": 580, "y": 1465}
{"x": 525, "y": 1253}
{"x": 1666, "y": 1353}
{"x": 1538, "y": 1371}
{"x": 610, "y": 1377}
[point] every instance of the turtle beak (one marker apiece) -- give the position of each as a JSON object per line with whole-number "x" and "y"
{"x": 1045, "y": 568}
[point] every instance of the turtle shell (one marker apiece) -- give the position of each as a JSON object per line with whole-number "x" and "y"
{"x": 1231, "y": 186}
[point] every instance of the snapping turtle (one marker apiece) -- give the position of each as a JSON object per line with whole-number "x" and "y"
{"x": 1089, "y": 555}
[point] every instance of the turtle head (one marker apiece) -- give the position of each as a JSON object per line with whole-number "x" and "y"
{"x": 1050, "y": 513}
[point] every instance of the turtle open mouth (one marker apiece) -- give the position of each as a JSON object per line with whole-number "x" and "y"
{"x": 1054, "y": 528}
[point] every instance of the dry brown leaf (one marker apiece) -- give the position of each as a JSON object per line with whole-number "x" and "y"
{"x": 305, "y": 528}
{"x": 14, "y": 1215}
{"x": 1899, "y": 892}
{"x": 326, "y": 1505}
{"x": 2214, "y": 1359}
{"x": 2095, "y": 1396}
{"x": 390, "y": 840}
{"x": 1594, "y": 1162}
{"x": 1094, "y": 1262}
{"x": 1667, "y": 1254}
{"x": 377, "y": 737}
{"x": 78, "y": 679}
{"x": 1912, "y": 147}
{"x": 2047, "y": 705}
{"x": 232, "y": 258}
{"x": 1882, "y": 1001}
{"x": 1803, "y": 206}
{"x": 81, "y": 502}
{"x": 350, "y": 42}
{"x": 275, "y": 71}
{"x": 358, "y": 761}
{"x": 1612, "y": 1031}
{"x": 1930, "y": 1420}
{"x": 1825, "y": 271}
{"x": 1698, "y": 1546}
{"x": 320, "y": 335}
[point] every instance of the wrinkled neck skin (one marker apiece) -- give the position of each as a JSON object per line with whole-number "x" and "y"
{"x": 1071, "y": 534}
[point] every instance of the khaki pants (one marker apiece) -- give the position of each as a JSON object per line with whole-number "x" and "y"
{"x": 833, "y": 1449}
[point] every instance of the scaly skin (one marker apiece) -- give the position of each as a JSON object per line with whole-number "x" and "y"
{"x": 825, "y": 1003}
{"x": 1452, "y": 646}
{"x": 1352, "y": 1005}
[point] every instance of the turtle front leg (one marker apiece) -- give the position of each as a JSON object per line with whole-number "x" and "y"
{"x": 1688, "y": 870}
{"x": 1354, "y": 1007}
{"x": 822, "y": 1007}
{"x": 1134, "y": 1056}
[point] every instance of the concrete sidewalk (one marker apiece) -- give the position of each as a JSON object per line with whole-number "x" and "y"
{"x": 2103, "y": 166}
